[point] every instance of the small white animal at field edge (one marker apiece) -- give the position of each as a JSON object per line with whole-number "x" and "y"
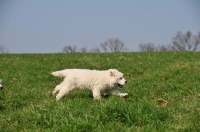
{"x": 1, "y": 86}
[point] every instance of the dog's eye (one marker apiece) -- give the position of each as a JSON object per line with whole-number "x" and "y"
{"x": 120, "y": 78}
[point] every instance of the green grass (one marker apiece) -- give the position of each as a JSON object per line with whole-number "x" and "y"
{"x": 164, "y": 93}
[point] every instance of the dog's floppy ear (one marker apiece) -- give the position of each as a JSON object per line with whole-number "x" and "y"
{"x": 112, "y": 72}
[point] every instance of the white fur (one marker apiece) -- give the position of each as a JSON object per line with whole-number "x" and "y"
{"x": 94, "y": 80}
{"x": 1, "y": 87}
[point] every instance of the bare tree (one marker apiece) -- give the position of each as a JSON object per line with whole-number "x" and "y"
{"x": 148, "y": 47}
{"x": 69, "y": 49}
{"x": 196, "y": 41}
{"x": 95, "y": 50}
{"x": 185, "y": 42}
{"x": 3, "y": 49}
{"x": 104, "y": 46}
{"x": 83, "y": 50}
{"x": 115, "y": 45}
{"x": 164, "y": 48}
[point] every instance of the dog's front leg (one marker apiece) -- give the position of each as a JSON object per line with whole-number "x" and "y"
{"x": 116, "y": 92}
{"x": 96, "y": 93}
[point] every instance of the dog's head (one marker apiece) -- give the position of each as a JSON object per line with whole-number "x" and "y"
{"x": 1, "y": 87}
{"x": 118, "y": 77}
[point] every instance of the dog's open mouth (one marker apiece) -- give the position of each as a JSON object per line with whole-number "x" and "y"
{"x": 120, "y": 86}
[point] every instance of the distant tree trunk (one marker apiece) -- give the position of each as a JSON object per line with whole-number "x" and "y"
{"x": 3, "y": 49}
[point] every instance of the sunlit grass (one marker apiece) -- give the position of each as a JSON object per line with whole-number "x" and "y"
{"x": 164, "y": 93}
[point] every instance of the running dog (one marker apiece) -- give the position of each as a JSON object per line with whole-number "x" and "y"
{"x": 94, "y": 80}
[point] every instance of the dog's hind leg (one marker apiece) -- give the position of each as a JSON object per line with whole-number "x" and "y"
{"x": 63, "y": 91}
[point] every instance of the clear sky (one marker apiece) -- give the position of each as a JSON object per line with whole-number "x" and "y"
{"x": 46, "y": 26}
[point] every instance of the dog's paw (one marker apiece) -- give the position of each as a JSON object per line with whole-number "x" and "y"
{"x": 97, "y": 98}
{"x": 54, "y": 92}
{"x": 123, "y": 95}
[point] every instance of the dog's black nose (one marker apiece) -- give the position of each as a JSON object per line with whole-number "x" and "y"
{"x": 125, "y": 81}
{"x": 1, "y": 88}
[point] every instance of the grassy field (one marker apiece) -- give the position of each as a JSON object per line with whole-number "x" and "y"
{"x": 164, "y": 93}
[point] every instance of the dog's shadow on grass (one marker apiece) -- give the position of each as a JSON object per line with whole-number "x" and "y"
{"x": 83, "y": 94}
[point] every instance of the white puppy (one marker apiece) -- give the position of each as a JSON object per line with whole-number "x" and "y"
{"x": 1, "y": 87}
{"x": 97, "y": 81}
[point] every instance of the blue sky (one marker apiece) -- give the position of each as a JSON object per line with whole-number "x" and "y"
{"x": 46, "y": 26}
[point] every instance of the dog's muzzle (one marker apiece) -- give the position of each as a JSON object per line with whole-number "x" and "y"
{"x": 121, "y": 86}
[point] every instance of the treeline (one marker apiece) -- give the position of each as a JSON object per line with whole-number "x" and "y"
{"x": 181, "y": 42}
{"x": 110, "y": 45}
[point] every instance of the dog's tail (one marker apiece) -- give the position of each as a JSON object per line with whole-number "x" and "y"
{"x": 59, "y": 73}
